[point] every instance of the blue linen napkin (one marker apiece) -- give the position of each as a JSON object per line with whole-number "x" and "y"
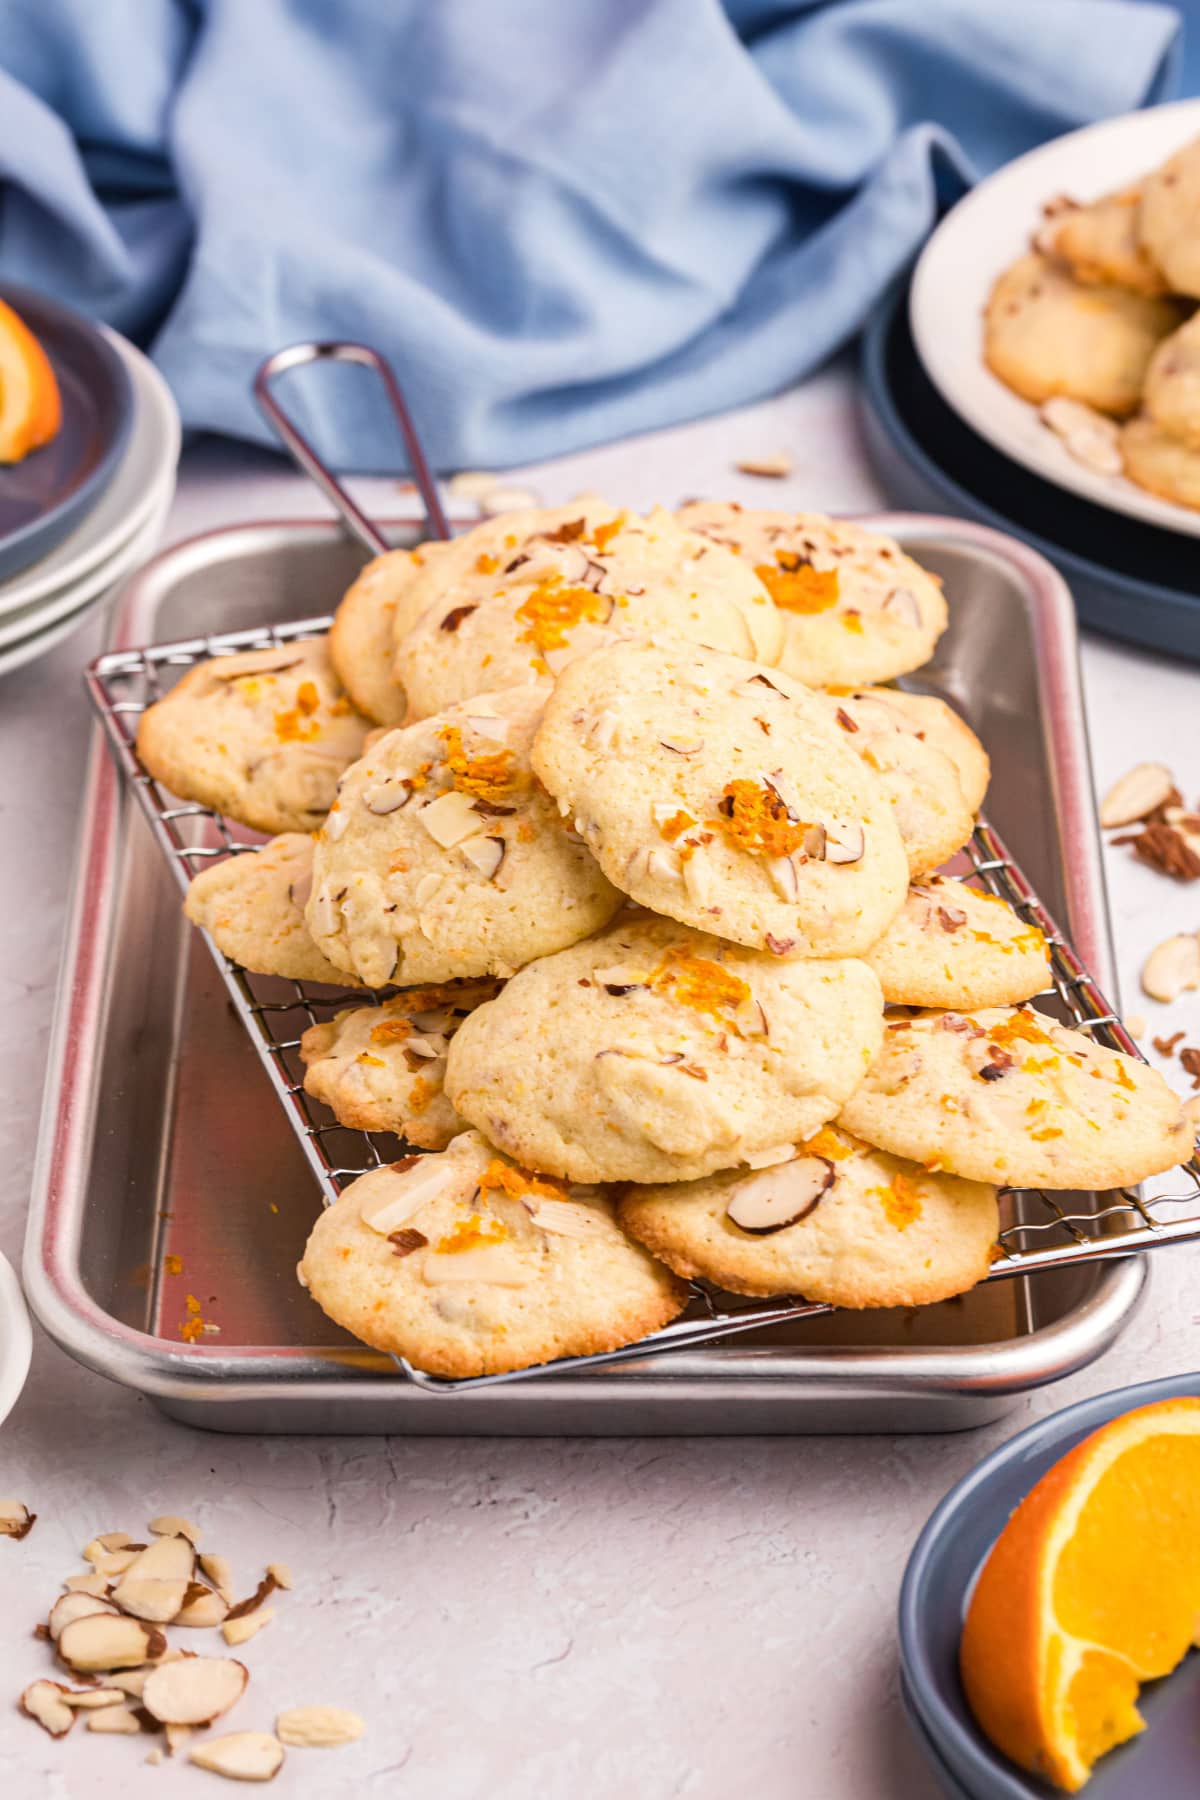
{"x": 564, "y": 220}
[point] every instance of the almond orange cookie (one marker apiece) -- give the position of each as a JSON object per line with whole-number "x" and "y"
{"x": 374, "y": 613}
{"x": 262, "y": 736}
{"x": 1102, "y": 244}
{"x": 1012, "y": 1097}
{"x": 952, "y": 945}
{"x": 1092, "y": 1588}
{"x": 467, "y": 1264}
{"x": 252, "y": 906}
{"x": 726, "y": 796}
{"x": 381, "y": 1068}
{"x": 856, "y": 608}
{"x": 836, "y": 1222}
{"x": 443, "y": 858}
{"x": 518, "y": 598}
{"x": 654, "y": 1053}
{"x": 881, "y": 712}
{"x": 922, "y": 784}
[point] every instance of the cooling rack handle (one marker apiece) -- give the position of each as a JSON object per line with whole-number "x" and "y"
{"x": 298, "y": 356}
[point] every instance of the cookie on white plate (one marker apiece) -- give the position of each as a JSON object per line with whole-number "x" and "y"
{"x": 837, "y": 1222}
{"x": 382, "y": 1068}
{"x": 951, "y": 945}
{"x": 724, "y": 795}
{"x": 1172, "y": 393}
{"x": 252, "y": 906}
{"x": 520, "y": 597}
{"x": 443, "y": 858}
{"x": 1012, "y": 1097}
{"x": 1161, "y": 463}
{"x": 654, "y": 1053}
{"x": 1102, "y": 243}
{"x": 262, "y": 736}
{"x": 466, "y": 1265}
{"x": 1167, "y": 219}
{"x": 856, "y": 607}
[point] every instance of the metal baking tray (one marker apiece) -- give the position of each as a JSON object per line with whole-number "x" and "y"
{"x": 169, "y": 1184}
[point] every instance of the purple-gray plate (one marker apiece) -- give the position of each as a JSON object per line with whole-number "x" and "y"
{"x": 1161, "y": 1764}
{"x": 45, "y": 496}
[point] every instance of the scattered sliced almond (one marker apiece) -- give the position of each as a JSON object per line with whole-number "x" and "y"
{"x": 75, "y": 1606}
{"x": 16, "y": 1520}
{"x": 202, "y": 1606}
{"x": 90, "y": 1699}
{"x": 502, "y": 500}
{"x": 239, "y": 1631}
{"x": 219, "y": 1570}
{"x": 1135, "y": 1025}
{"x": 448, "y": 820}
{"x": 265, "y": 1588}
{"x": 1089, "y": 436}
{"x": 471, "y": 484}
{"x": 43, "y": 1702}
{"x": 1142, "y": 791}
{"x": 110, "y": 1540}
{"x": 132, "y": 1681}
{"x": 171, "y": 1525}
{"x": 109, "y": 1641}
{"x": 118, "y": 1720}
{"x": 154, "y": 1585}
{"x": 87, "y": 1584}
{"x": 177, "y": 1737}
{"x": 1173, "y": 967}
{"x": 195, "y": 1690}
{"x": 772, "y": 467}
{"x": 308, "y": 1727}
{"x": 115, "y": 1562}
{"x": 243, "y": 1756}
{"x": 281, "y": 1575}
{"x": 771, "y": 1201}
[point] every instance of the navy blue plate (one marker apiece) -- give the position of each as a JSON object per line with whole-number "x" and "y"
{"x": 45, "y": 496}
{"x": 1130, "y": 580}
{"x": 1164, "y": 1762}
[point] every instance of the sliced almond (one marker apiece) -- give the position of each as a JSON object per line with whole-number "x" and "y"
{"x": 449, "y": 819}
{"x": 1135, "y": 1024}
{"x": 312, "y": 1727}
{"x": 16, "y": 1520}
{"x": 132, "y": 1681}
{"x": 109, "y": 1641}
{"x": 75, "y": 1606}
{"x": 154, "y": 1585}
{"x": 602, "y": 733}
{"x": 784, "y": 876}
{"x": 118, "y": 1720}
{"x": 114, "y": 1563}
{"x": 485, "y": 855}
{"x": 281, "y": 1575}
{"x": 1173, "y": 968}
{"x": 428, "y": 886}
{"x": 243, "y": 1756}
{"x": 844, "y": 844}
{"x": 195, "y": 1690}
{"x": 387, "y": 796}
{"x": 499, "y": 500}
{"x": 490, "y": 726}
{"x": 1142, "y": 791}
{"x": 202, "y": 1606}
{"x": 495, "y": 1264}
{"x": 390, "y": 1199}
{"x": 110, "y": 1540}
{"x": 220, "y": 1572}
{"x": 87, "y": 1584}
{"x": 90, "y": 1699}
{"x": 780, "y": 1197}
{"x": 43, "y": 1702}
{"x": 770, "y": 1157}
{"x": 172, "y": 1525}
{"x": 240, "y": 1630}
{"x": 683, "y": 749}
{"x": 698, "y": 879}
{"x": 770, "y": 468}
{"x": 569, "y": 1218}
{"x": 177, "y": 1737}
{"x": 663, "y": 865}
{"x": 472, "y": 484}
{"x": 265, "y": 1588}
{"x": 902, "y": 604}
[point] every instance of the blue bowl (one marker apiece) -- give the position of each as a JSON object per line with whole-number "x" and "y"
{"x": 1129, "y": 580}
{"x": 44, "y": 497}
{"x": 1162, "y": 1764}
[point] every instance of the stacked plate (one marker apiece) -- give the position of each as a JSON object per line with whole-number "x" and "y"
{"x": 79, "y": 515}
{"x": 948, "y": 435}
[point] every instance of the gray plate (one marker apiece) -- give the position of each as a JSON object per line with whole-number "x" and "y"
{"x": 1163, "y": 1762}
{"x": 45, "y": 496}
{"x": 161, "y": 1138}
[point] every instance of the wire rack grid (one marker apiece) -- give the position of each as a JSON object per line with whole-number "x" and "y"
{"x": 1042, "y": 1230}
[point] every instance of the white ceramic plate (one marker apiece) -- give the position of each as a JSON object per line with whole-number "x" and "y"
{"x": 990, "y": 229}
{"x": 147, "y": 472}
{"x": 15, "y": 627}
{"x": 16, "y": 1339}
{"x": 67, "y": 612}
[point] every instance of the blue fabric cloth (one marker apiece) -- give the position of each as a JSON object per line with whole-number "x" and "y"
{"x": 564, "y": 220}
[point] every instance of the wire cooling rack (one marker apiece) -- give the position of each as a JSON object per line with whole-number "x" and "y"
{"x": 1041, "y": 1230}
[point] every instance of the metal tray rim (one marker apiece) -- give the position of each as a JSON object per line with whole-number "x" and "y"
{"x": 201, "y": 1374}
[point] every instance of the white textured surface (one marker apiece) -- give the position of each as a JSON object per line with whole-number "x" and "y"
{"x": 587, "y": 1619}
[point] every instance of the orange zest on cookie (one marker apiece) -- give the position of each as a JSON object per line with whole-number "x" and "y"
{"x": 604, "y": 534}
{"x": 296, "y": 724}
{"x": 901, "y": 1201}
{"x": 501, "y": 1178}
{"x": 796, "y": 586}
{"x": 391, "y": 1031}
{"x": 753, "y": 818}
{"x": 1021, "y": 1027}
{"x": 698, "y": 982}
{"x": 551, "y": 611}
{"x": 676, "y": 825}
{"x": 471, "y": 1234}
{"x": 826, "y": 1143}
{"x": 487, "y": 777}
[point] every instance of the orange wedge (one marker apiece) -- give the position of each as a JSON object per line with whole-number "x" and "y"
{"x": 30, "y": 408}
{"x": 1092, "y": 1588}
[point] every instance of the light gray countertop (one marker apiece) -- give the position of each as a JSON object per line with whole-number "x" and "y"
{"x": 640, "y": 1618}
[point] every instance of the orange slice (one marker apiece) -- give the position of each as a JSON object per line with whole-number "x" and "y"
{"x": 30, "y": 408}
{"x": 1092, "y": 1588}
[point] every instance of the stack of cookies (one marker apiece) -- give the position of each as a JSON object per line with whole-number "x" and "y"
{"x": 623, "y": 809}
{"x": 1097, "y": 324}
